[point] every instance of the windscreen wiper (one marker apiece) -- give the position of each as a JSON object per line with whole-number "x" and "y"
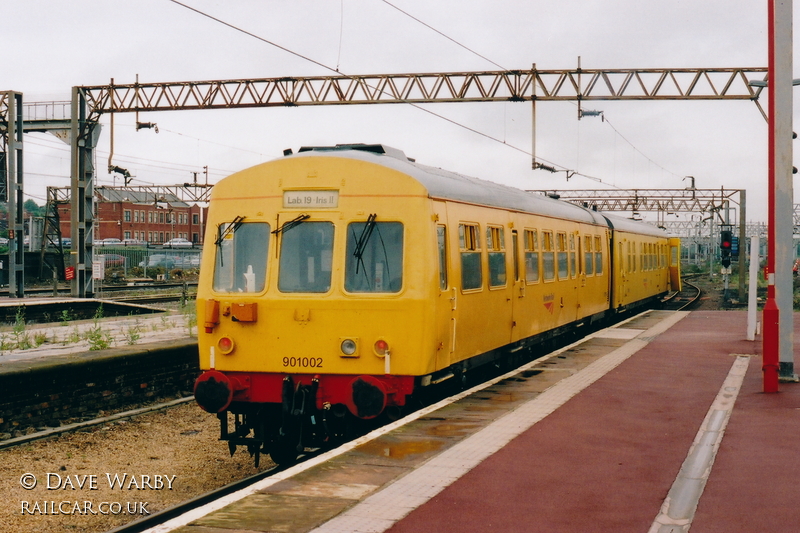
{"x": 232, "y": 227}
{"x": 230, "y": 230}
{"x": 363, "y": 239}
{"x": 290, "y": 224}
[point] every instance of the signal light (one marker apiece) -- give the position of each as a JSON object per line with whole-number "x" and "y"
{"x": 725, "y": 246}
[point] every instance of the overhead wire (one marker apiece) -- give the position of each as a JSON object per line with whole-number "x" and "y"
{"x": 442, "y": 117}
{"x": 443, "y": 35}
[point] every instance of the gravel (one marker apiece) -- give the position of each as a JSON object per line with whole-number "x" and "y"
{"x": 160, "y": 459}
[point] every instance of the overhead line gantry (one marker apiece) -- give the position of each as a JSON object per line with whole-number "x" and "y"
{"x": 531, "y": 85}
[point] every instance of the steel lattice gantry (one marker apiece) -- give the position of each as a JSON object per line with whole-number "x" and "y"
{"x": 660, "y": 200}
{"x": 714, "y": 202}
{"x": 485, "y": 86}
{"x": 533, "y": 85}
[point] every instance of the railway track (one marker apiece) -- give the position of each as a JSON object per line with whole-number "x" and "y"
{"x": 64, "y": 290}
{"x": 17, "y": 441}
{"x": 685, "y": 299}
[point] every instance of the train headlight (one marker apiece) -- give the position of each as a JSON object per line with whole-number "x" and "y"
{"x": 349, "y": 347}
{"x": 381, "y": 347}
{"x": 225, "y": 345}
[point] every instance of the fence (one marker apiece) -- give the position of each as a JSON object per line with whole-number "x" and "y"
{"x": 118, "y": 262}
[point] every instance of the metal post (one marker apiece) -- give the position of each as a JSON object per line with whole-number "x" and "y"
{"x": 752, "y": 301}
{"x": 742, "y": 240}
{"x": 533, "y": 116}
{"x": 16, "y": 243}
{"x": 784, "y": 205}
{"x": 84, "y": 137}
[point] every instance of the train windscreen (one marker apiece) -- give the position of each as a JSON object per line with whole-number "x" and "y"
{"x": 374, "y": 257}
{"x": 241, "y": 261}
{"x": 306, "y": 257}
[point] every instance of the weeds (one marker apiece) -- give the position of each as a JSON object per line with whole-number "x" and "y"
{"x": 21, "y": 338}
{"x": 133, "y": 334}
{"x": 98, "y": 339}
{"x": 39, "y": 338}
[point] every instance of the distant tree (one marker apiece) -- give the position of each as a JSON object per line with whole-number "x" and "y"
{"x": 31, "y": 207}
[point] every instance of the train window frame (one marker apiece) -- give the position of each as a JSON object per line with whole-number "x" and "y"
{"x": 562, "y": 255}
{"x": 588, "y": 256}
{"x": 515, "y": 253}
{"x": 531, "y": 249}
{"x": 323, "y": 250}
{"x": 385, "y": 254}
{"x": 441, "y": 241}
{"x": 231, "y": 276}
{"x": 470, "y": 252}
{"x": 573, "y": 263}
{"x": 548, "y": 257}
{"x": 496, "y": 255}
{"x": 598, "y": 255}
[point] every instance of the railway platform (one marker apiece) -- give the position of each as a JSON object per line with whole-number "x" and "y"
{"x": 658, "y": 424}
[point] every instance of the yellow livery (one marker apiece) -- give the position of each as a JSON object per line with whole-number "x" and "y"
{"x": 338, "y": 281}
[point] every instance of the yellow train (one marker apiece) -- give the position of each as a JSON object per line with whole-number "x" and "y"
{"x": 339, "y": 281}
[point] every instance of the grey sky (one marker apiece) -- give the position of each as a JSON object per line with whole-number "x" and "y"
{"x": 53, "y": 45}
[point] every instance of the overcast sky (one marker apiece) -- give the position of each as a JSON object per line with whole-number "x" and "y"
{"x": 52, "y": 45}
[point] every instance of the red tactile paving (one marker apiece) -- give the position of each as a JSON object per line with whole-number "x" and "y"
{"x": 605, "y": 460}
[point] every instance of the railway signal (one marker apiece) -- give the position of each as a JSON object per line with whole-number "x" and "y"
{"x": 725, "y": 246}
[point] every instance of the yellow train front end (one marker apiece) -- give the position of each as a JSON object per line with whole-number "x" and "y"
{"x": 312, "y": 299}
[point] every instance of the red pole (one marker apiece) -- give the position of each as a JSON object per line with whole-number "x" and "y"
{"x": 771, "y": 317}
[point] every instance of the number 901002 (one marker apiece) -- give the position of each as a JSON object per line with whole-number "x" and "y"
{"x": 303, "y": 362}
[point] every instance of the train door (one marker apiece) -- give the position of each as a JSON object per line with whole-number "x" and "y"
{"x": 622, "y": 271}
{"x": 675, "y": 264}
{"x": 518, "y": 290}
{"x": 447, "y": 301}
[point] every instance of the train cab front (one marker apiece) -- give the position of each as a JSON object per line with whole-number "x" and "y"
{"x": 302, "y": 326}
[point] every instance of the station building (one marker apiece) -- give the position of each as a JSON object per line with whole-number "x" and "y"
{"x": 140, "y": 216}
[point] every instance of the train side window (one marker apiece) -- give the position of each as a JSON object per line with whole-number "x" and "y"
{"x": 561, "y": 250}
{"x": 588, "y": 256}
{"x": 241, "y": 261}
{"x": 374, "y": 257}
{"x": 531, "y": 255}
{"x": 515, "y": 253}
{"x": 306, "y": 258}
{"x": 631, "y": 265}
{"x": 548, "y": 256}
{"x": 469, "y": 243}
{"x": 496, "y": 246}
{"x": 598, "y": 255}
{"x": 441, "y": 239}
{"x": 573, "y": 267}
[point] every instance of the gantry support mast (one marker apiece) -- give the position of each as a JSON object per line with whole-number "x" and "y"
{"x": 11, "y": 186}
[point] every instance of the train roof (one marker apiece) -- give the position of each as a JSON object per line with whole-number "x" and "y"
{"x": 443, "y": 184}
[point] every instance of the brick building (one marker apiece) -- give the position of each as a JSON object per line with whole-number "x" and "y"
{"x": 124, "y": 214}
